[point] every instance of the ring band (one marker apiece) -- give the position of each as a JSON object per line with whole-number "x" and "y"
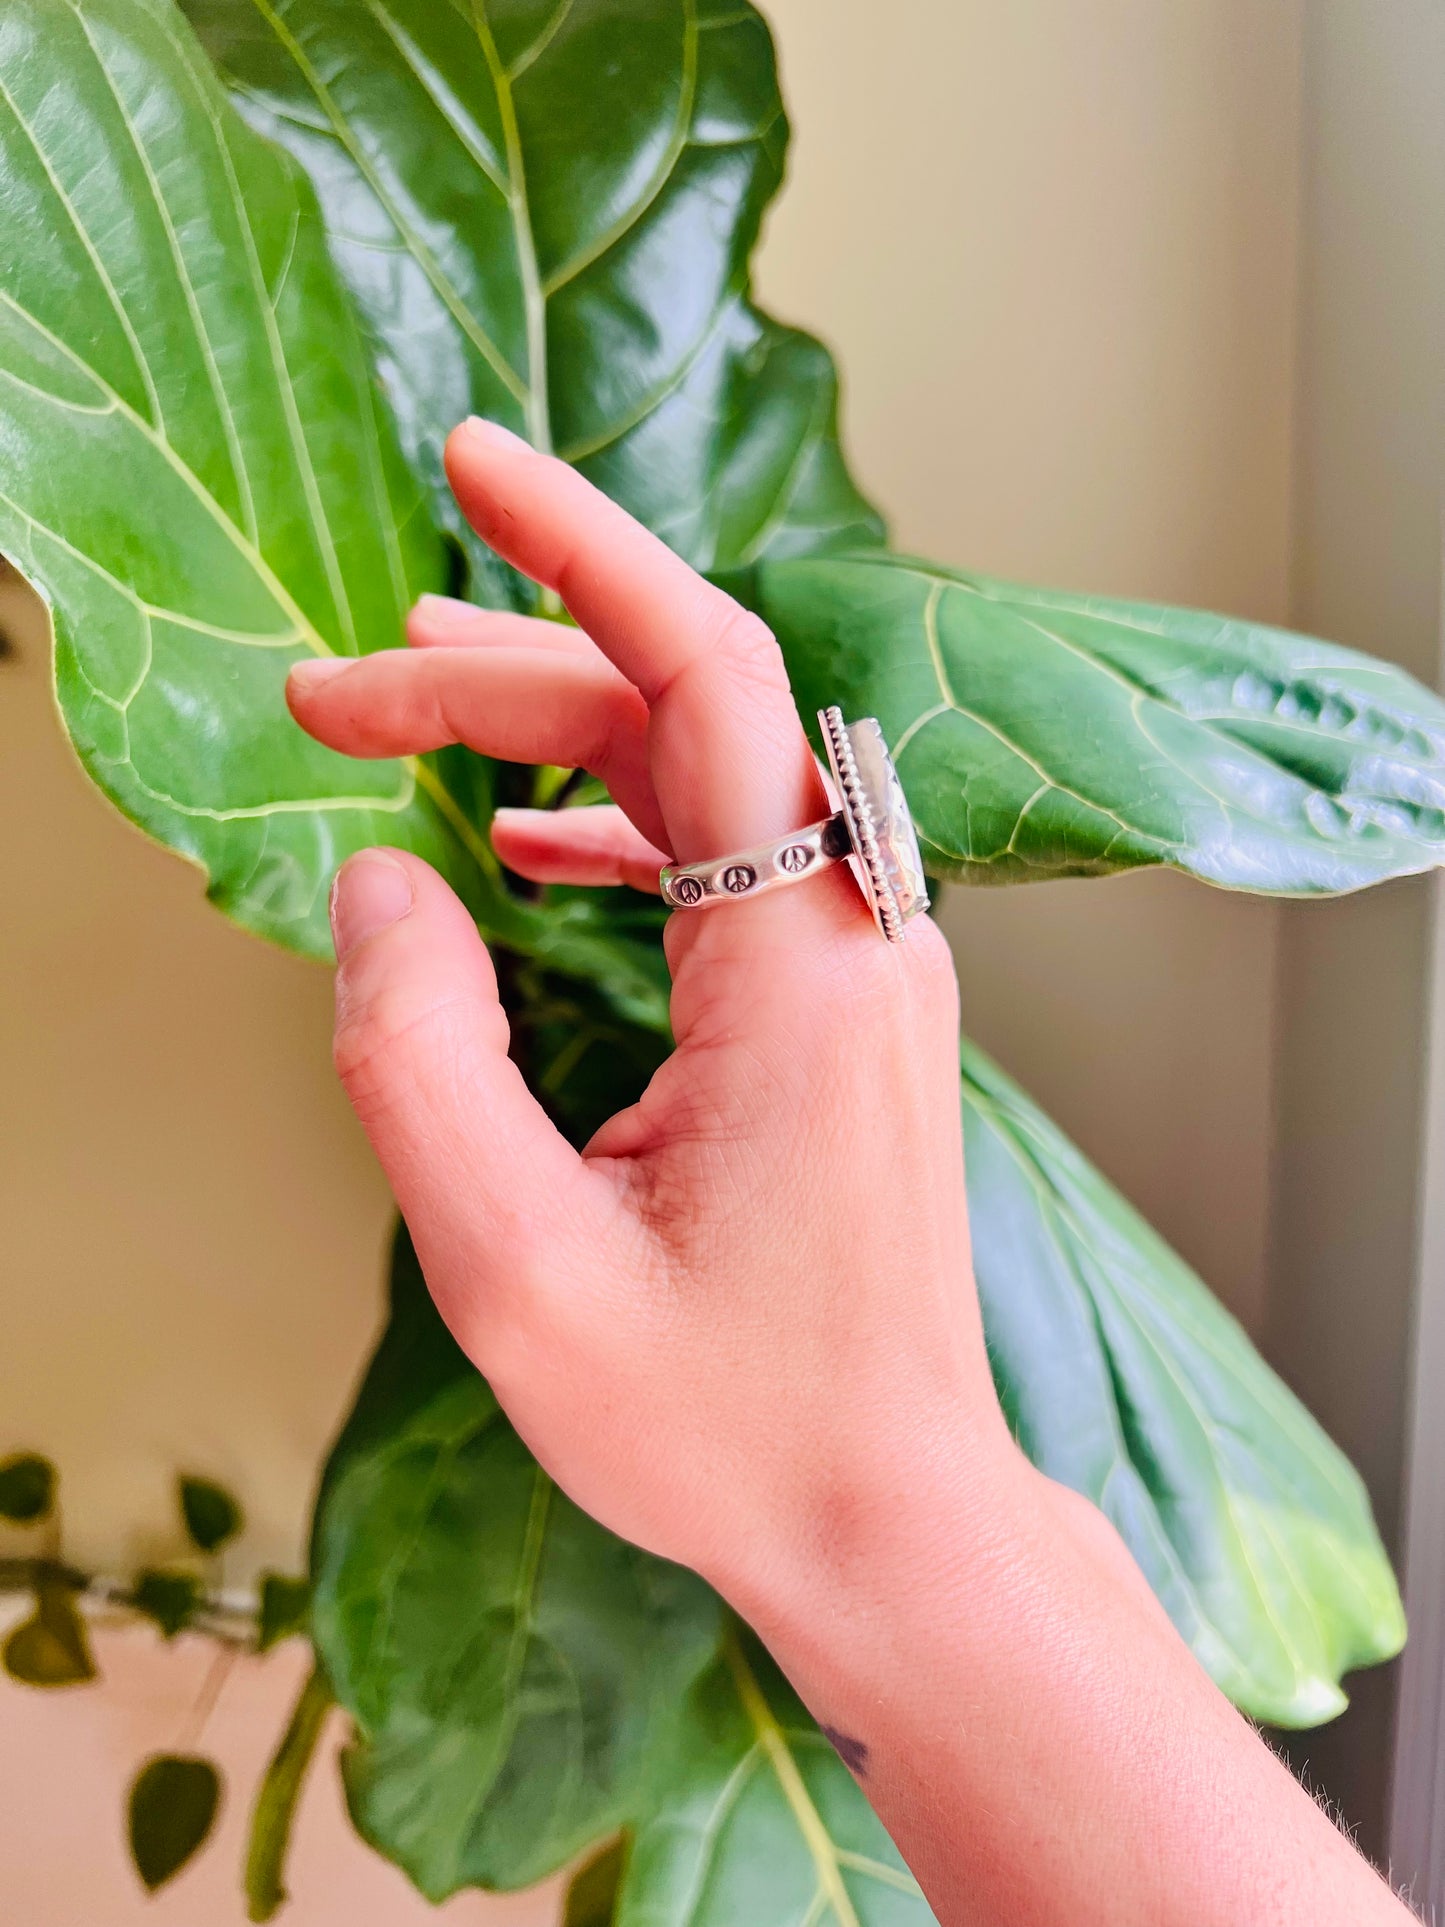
{"x": 872, "y": 831}
{"x": 769, "y": 866}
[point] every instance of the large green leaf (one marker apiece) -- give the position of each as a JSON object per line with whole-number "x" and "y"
{"x": 1042, "y": 735}
{"x": 194, "y": 467}
{"x": 524, "y": 1683}
{"x": 755, "y": 1819}
{"x": 545, "y": 211}
{"x": 197, "y": 472}
{"x": 512, "y": 1668}
{"x": 1125, "y": 1379}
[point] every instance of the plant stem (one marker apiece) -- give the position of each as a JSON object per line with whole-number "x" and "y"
{"x": 276, "y": 1802}
{"x": 225, "y": 1615}
{"x": 223, "y": 1659}
{"x": 567, "y": 789}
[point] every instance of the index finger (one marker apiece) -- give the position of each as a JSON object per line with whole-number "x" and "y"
{"x": 730, "y": 763}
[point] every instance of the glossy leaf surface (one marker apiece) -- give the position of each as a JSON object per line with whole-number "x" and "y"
{"x": 510, "y": 1665}
{"x": 1123, "y": 1377}
{"x": 757, "y": 1819}
{"x": 545, "y": 211}
{"x": 171, "y": 1810}
{"x": 1042, "y": 735}
{"x": 197, "y": 470}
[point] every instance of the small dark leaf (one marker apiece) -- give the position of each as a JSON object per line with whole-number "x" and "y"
{"x": 285, "y": 1609}
{"x": 27, "y": 1488}
{"x": 50, "y": 1648}
{"x": 212, "y": 1516}
{"x": 169, "y": 1597}
{"x": 592, "y": 1896}
{"x": 173, "y": 1801}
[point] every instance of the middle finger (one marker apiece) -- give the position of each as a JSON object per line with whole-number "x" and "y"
{"x": 522, "y": 705}
{"x": 730, "y": 763}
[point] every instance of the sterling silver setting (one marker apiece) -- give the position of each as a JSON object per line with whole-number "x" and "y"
{"x": 872, "y": 831}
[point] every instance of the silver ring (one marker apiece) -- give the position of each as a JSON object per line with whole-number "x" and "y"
{"x": 872, "y": 831}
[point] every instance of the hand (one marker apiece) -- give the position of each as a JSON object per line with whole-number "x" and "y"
{"x": 742, "y": 1320}
{"x": 740, "y": 1328}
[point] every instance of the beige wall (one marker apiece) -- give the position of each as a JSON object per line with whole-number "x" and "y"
{"x": 1355, "y": 986}
{"x": 1054, "y": 244}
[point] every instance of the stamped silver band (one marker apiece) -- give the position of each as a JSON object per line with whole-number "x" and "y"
{"x": 771, "y": 866}
{"x": 872, "y": 830}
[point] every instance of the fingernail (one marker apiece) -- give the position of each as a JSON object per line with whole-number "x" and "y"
{"x": 313, "y": 671}
{"x": 371, "y": 891}
{"x": 447, "y": 611}
{"x": 493, "y": 434}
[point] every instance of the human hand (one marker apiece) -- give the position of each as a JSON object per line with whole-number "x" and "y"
{"x": 739, "y": 1328}
{"x": 742, "y": 1321}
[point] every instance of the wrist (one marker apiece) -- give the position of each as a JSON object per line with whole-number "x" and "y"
{"x": 937, "y": 1511}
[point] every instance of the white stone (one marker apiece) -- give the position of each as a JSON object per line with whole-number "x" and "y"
{"x": 892, "y": 820}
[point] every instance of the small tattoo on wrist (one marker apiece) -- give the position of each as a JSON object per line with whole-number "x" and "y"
{"x": 853, "y": 1753}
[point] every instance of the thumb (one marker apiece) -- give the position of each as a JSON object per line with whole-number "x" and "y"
{"x": 494, "y": 1196}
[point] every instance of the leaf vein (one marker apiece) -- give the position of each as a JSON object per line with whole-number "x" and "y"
{"x": 234, "y": 452}
{"x": 667, "y": 163}
{"x": 143, "y": 367}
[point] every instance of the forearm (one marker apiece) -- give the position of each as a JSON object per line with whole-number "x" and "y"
{"x": 1034, "y": 1733}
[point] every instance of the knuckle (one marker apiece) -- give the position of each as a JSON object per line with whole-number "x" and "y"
{"x": 615, "y": 730}
{"x": 370, "y": 1050}
{"x": 747, "y": 643}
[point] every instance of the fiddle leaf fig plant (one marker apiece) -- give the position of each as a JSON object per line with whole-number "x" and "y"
{"x": 545, "y": 214}
{"x": 263, "y": 255}
{"x": 1044, "y": 735}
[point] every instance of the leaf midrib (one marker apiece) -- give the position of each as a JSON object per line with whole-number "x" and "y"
{"x": 1055, "y": 1206}
{"x": 536, "y": 403}
{"x": 280, "y": 369}
{"x": 488, "y": 349}
{"x": 1138, "y": 693}
{"x": 773, "y": 1742}
{"x": 234, "y": 449}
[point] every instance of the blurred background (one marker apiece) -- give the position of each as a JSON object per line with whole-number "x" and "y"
{"x": 1130, "y": 297}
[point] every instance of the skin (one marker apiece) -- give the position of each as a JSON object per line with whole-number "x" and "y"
{"x": 716, "y": 1328}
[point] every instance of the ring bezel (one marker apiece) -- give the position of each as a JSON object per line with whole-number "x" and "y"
{"x": 870, "y": 830}
{"x": 886, "y": 858}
